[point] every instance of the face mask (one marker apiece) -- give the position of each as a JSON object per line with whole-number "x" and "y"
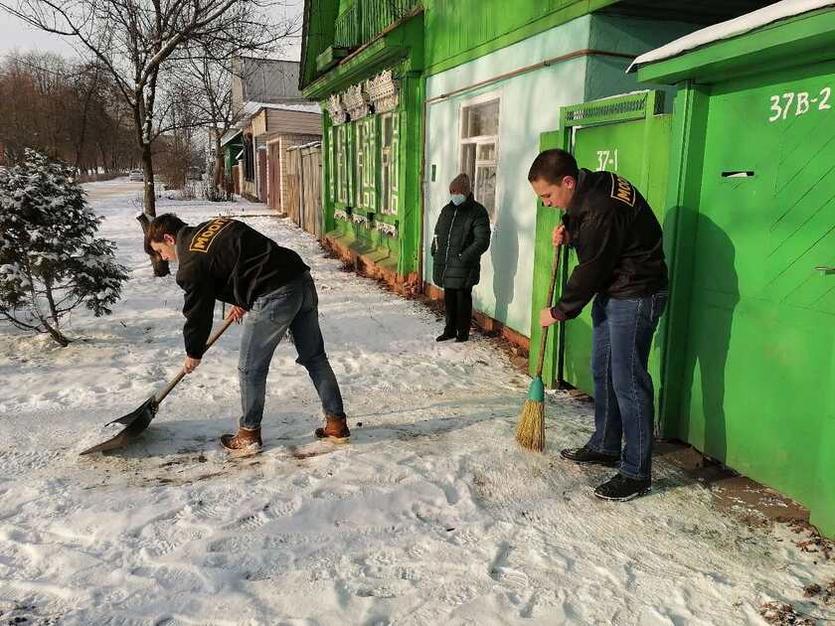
{"x": 458, "y": 198}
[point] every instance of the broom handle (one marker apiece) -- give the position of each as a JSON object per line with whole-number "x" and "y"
{"x": 215, "y": 336}
{"x": 555, "y": 268}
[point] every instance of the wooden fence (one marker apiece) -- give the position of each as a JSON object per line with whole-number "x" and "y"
{"x": 304, "y": 186}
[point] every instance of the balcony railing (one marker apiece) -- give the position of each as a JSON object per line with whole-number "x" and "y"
{"x": 364, "y": 19}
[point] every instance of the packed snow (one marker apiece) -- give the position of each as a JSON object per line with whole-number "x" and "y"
{"x": 730, "y": 28}
{"x": 252, "y": 108}
{"x": 430, "y": 515}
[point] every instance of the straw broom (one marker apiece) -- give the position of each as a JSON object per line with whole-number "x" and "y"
{"x": 530, "y": 432}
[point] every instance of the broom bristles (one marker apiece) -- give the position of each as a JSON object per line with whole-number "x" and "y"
{"x": 530, "y": 432}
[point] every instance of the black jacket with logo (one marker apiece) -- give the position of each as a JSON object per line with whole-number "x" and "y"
{"x": 226, "y": 260}
{"x": 618, "y": 242}
{"x": 462, "y": 235}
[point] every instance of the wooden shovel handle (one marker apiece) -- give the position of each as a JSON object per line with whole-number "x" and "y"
{"x": 543, "y": 337}
{"x": 215, "y": 336}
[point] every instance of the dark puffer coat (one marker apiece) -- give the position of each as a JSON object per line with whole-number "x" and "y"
{"x": 462, "y": 235}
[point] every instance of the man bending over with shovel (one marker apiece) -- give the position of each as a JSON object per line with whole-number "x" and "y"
{"x": 271, "y": 289}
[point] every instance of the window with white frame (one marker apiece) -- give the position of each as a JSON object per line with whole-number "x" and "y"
{"x": 389, "y": 141}
{"x": 342, "y": 165}
{"x": 332, "y": 169}
{"x": 360, "y": 161}
{"x": 369, "y": 191}
{"x": 479, "y": 148}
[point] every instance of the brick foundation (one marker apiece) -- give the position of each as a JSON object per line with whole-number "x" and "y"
{"x": 407, "y": 286}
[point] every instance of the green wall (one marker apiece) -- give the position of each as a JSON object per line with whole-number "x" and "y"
{"x": 606, "y": 75}
{"x": 460, "y": 31}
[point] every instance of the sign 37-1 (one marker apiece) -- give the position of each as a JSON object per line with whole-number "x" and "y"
{"x": 781, "y": 106}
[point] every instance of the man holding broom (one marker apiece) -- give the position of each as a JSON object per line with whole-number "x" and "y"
{"x": 621, "y": 265}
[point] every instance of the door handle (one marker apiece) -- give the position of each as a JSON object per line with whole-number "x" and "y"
{"x": 825, "y": 269}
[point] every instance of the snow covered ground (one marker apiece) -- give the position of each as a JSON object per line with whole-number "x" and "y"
{"x": 431, "y": 515}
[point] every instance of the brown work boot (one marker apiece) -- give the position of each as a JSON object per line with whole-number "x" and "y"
{"x": 336, "y": 429}
{"x": 246, "y": 442}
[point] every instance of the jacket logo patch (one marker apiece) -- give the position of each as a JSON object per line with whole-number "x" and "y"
{"x": 622, "y": 190}
{"x": 203, "y": 238}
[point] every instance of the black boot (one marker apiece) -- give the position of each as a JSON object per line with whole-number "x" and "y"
{"x": 445, "y": 336}
{"x": 587, "y": 456}
{"x": 622, "y": 488}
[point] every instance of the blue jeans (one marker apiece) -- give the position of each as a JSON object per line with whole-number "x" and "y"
{"x": 295, "y": 307}
{"x": 623, "y": 393}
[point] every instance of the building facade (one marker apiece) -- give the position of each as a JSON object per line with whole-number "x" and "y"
{"x": 415, "y": 92}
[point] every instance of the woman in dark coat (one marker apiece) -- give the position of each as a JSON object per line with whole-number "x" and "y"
{"x": 462, "y": 235}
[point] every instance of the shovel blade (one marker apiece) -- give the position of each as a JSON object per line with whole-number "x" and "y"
{"x": 134, "y": 424}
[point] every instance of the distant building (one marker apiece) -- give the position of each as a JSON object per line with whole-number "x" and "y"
{"x": 265, "y": 80}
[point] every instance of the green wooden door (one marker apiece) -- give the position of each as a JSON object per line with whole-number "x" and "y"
{"x": 638, "y": 150}
{"x": 624, "y": 134}
{"x": 759, "y": 373}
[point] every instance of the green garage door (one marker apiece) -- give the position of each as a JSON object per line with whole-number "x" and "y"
{"x": 759, "y": 374}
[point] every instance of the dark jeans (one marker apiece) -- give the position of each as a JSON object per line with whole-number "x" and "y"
{"x": 295, "y": 306}
{"x": 458, "y": 304}
{"x": 623, "y": 393}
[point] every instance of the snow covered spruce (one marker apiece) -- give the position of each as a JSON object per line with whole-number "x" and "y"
{"x": 50, "y": 258}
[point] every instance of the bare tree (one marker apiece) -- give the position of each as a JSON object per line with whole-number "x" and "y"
{"x": 133, "y": 40}
{"x": 209, "y": 69}
{"x": 65, "y": 110}
{"x": 210, "y": 74}
{"x": 177, "y": 151}
{"x": 214, "y": 79}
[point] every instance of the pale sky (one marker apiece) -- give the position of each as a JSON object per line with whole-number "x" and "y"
{"x": 17, "y": 35}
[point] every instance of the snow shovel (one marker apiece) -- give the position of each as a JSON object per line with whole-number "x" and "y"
{"x": 138, "y": 420}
